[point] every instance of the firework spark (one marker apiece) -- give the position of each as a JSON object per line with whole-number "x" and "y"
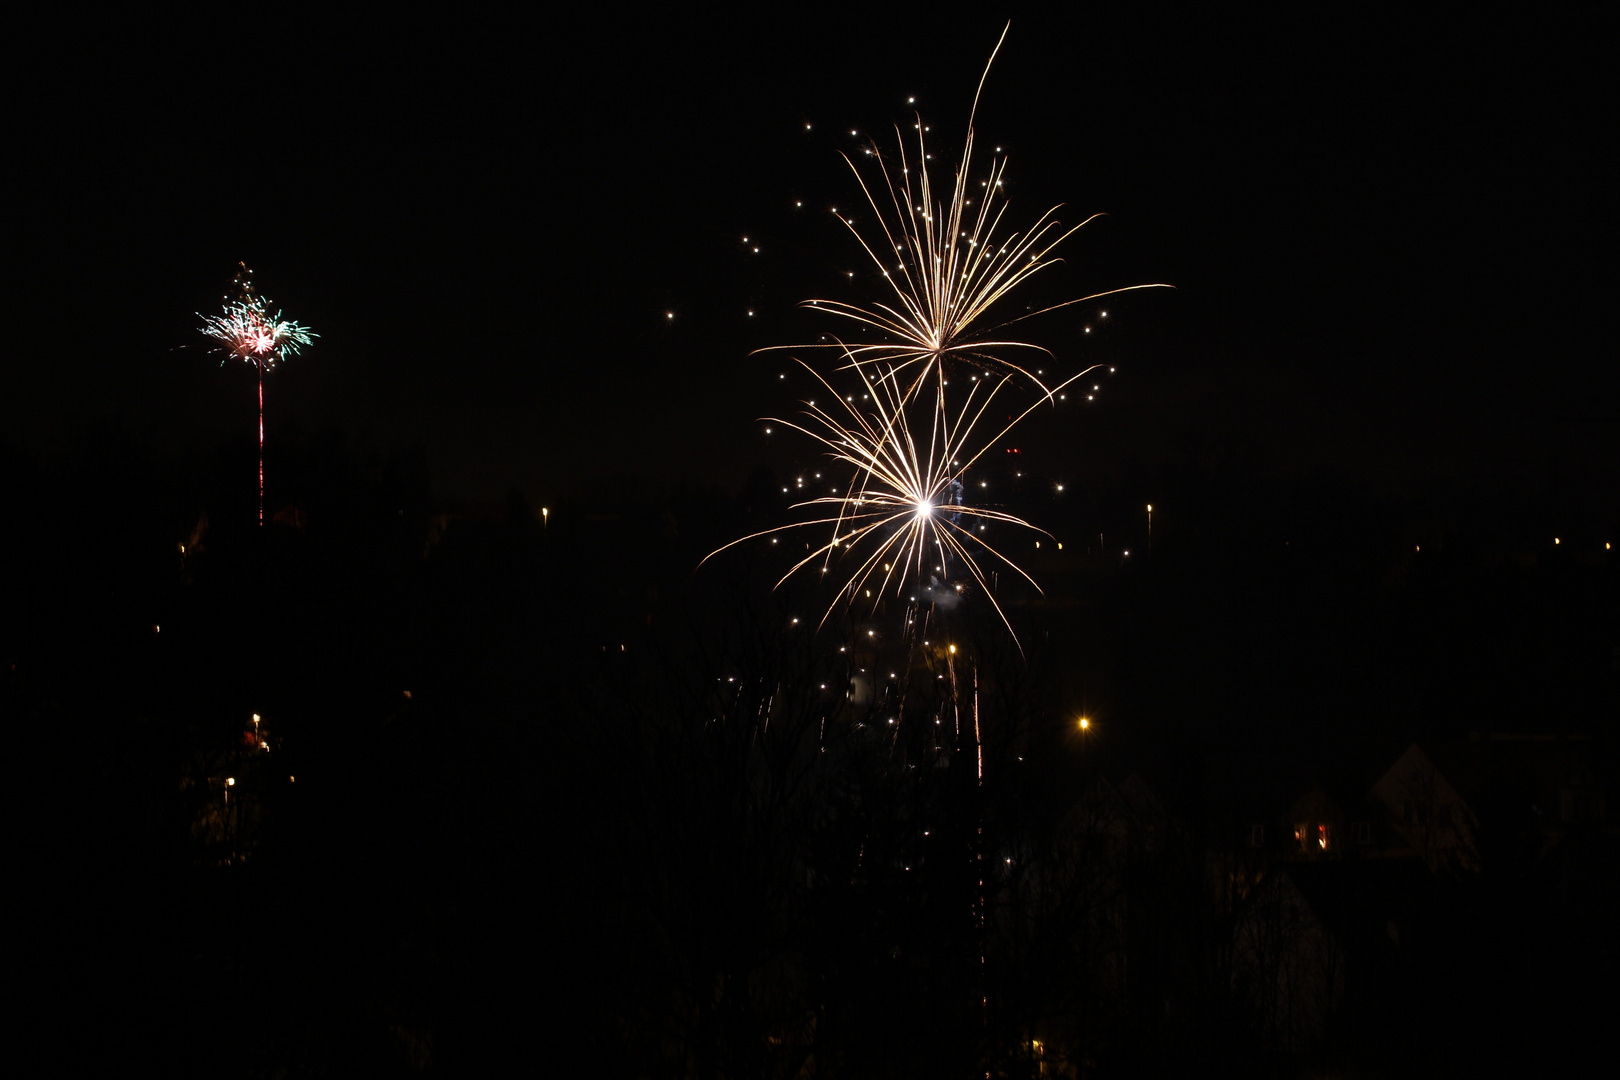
{"x": 902, "y": 522}
{"x": 946, "y": 264}
{"x": 902, "y": 519}
{"x": 247, "y": 331}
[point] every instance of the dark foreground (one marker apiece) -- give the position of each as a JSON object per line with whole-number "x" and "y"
{"x": 527, "y": 791}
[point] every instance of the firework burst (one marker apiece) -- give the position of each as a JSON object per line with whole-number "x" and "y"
{"x": 902, "y": 518}
{"x": 247, "y": 331}
{"x": 946, "y": 264}
{"x": 902, "y": 523}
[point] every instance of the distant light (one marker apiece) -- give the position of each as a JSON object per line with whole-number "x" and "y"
{"x": 953, "y": 650}
{"x": 230, "y": 781}
{"x": 669, "y": 314}
{"x": 1556, "y": 540}
{"x": 1085, "y": 725}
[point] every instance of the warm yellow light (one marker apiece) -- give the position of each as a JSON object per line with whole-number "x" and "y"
{"x": 1085, "y": 724}
{"x": 953, "y": 650}
{"x": 230, "y": 781}
{"x": 1150, "y": 508}
{"x": 255, "y": 718}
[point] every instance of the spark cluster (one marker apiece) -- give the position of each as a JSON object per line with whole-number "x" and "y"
{"x": 246, "y": 329}
{"x": 946, "y": 264}
{"x": 902, "y": 523}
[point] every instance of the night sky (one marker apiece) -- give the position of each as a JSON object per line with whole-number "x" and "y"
{"x": 502, "y": 795}
{"x": 1384, "y": 231}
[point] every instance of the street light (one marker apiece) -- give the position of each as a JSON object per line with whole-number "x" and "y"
{"x": 1150, "y": 528}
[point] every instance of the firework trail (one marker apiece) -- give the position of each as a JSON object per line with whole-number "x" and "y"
{"x": 247, "y": 331}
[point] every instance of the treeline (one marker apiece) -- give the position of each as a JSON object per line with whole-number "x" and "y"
{"x": 531, "y": 786}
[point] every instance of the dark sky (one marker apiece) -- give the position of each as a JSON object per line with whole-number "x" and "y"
{"x": 1384, "y": 230}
